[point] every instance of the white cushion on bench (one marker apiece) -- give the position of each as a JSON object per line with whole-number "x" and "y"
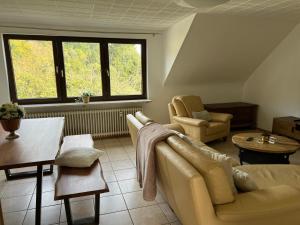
{"x": 78, "y": 157}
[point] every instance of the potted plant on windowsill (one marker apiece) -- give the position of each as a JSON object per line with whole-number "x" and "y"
{"x": 85, "y": 96}
{"x": 10, "y": 118}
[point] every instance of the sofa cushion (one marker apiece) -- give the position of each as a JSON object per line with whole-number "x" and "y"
{"x": 217, "y": 181}
{"x": 267, "y": 206}
{"x": 214, "y": 154}
{"x": 243, "y": 181}
{"x": 179, "y": 108}
{"x": 216, "y": 127}
{"x": 191, "y": 104}
{"x": 266, "y": 176}
{"x": 203, "y": 115}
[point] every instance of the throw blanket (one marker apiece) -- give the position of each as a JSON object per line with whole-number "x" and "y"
{"x": 148, "y": 137}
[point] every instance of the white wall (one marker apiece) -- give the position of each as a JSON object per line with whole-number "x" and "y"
{"x": 275, "y": 85}
{"x": 173, "y": 39}
{"x": 226, "y": 48}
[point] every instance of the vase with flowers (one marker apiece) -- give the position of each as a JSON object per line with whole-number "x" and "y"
{"x": 86, "y": 96}
{"x": 10, "y": 118}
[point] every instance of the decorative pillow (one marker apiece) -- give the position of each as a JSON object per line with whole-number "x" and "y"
{"x": 243, "y": 180}
{"x": 214, "y": 154}
{"x": 78, "y": 157}
{"x": 203, "y": 115}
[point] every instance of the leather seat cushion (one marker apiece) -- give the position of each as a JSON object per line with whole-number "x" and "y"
{"x": 261, "y": 204}
{"x": 216, "y": 127}
{"x": 265, "y": 176}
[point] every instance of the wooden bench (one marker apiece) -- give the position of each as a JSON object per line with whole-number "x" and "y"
{"x": 78, "y": 182}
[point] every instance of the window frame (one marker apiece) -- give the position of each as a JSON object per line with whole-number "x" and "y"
{"x": 57, "y": 44}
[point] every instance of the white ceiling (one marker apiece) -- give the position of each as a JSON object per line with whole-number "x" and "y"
{"x": 129, "y": 14}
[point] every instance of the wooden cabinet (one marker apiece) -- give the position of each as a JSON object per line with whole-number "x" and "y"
{"x": 287, "y": 126}
{"x": 244, "y": 114}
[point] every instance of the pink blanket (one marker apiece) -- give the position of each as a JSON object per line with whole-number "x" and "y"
{"x": 148, "y": 137}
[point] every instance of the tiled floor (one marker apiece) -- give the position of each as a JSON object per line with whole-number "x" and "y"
{"x": 123, "y": 205}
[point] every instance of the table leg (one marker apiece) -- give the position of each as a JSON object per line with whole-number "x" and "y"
{"x": 97, "y": 208}
{"x": 38, "y": 205}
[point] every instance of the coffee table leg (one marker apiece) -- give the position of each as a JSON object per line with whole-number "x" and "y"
{"x": 38, "y": 205}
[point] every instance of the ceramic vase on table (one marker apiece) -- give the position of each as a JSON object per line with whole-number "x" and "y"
{"x": 11, "y": 126}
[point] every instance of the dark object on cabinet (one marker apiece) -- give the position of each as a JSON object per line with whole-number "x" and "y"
{"x": 287, "y": 126}
{"x": 244, "y": 114}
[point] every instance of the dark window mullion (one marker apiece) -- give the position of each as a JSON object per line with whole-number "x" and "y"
{"x": 11, "y": 77}
{"x": 61, "y": 71}
{"x": 105, "y": 70}
{"x": 56, "y": 54}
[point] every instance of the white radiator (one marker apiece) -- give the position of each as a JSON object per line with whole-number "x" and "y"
{"x": 99, "y": 123}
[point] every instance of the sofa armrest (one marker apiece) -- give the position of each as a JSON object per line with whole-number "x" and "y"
{"x": 190, "y": 121}
{"x": 220, "y": 117}
{"x": 268, "y": 202}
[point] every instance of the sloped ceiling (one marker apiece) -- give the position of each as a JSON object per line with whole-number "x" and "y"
{"x": 226, "y": 48}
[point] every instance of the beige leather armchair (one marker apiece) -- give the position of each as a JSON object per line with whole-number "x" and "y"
{"x": 180, "y": 111}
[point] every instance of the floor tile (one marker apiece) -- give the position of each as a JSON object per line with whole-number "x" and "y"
{"x": 117, "y": 156}
{"x": 80, "y": 210}
{"x": 113, "y": 189}
{"x": 47, "y": 200}
{"x": 112, "y": 204}
{"x": 150, "y": 215}
{"x": 15, "y": 203}
{"x": 168, "y": 212}
{"x": 109, "y": 176}
{"x": 104, "y": 158}
{"x": 135, "y": 200}
{"x": 82, "y": 198}
{"x": 159, "y": 197}
{"x": 118, "y": 218}
{"x": 106, "y": 166}
{"x": 129, "y": 185}
{"x": 125, "y": 174}
{"x": 123, "y": 164}
{"x": 176, "y": 223}
{"x": 13, "y": 190}
{"x": 14, "y": 218}
{"x": 50, "y": 215}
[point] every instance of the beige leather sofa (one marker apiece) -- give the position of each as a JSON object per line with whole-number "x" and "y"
{"x": 188, "y": 192}
{"x": 180, "y": 111}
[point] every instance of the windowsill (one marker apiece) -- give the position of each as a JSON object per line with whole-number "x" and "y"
{"x": 91, "y": 105}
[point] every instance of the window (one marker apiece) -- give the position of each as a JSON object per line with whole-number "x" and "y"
{"x": 49, "y": 69}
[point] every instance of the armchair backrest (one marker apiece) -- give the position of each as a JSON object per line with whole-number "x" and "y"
{"x": 184, "y": 105}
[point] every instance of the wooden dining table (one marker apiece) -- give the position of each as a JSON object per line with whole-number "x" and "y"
{"x": 38, "y": 145}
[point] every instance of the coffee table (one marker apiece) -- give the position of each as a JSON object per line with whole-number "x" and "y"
{"x": 253, "y": 152}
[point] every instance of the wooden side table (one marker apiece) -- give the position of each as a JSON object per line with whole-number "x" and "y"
{"x": 253, "y": 152}
{"x": 244, "y": 114}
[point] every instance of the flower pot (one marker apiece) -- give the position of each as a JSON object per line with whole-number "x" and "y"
{"x": 11, "y": 126}
{"x": 86, "y": 99}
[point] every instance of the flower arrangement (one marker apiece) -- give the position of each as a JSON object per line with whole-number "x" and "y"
{"x": 86, "y": 94}
{"x": 11, "y": 111}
